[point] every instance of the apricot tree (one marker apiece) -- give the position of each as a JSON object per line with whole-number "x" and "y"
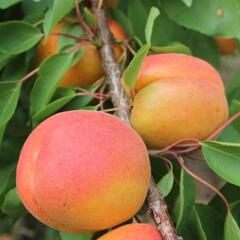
{"x": 107, "y": 109}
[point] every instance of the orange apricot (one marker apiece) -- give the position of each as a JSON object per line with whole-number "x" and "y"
{"x": 77, "y": 172}
{"x": 173, "y": 65}
{"x": 89, "y": 69}
{"x": 133, "y": 232}
{"x": 184, "y": 99}
{"x": 226, "y": 46}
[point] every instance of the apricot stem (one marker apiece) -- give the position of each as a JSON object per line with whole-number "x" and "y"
{"x": 26, "y": 77}
{"x": 81, "y": 22}
{"x": 219, "y": 130}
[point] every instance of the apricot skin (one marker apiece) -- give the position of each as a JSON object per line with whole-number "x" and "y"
{"x": 182, "y": 99}
{"x": 172, "y": 65}
{"x": 89, "y": 69}
{"x": 83, "y": 171}
{"x": 226, "y": 46}
{"x": 133, "y": 232}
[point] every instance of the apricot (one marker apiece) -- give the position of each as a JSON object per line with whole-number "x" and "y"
{"x": 179, "y": 104}
{"x": 112, "y": 3}
{"x": 133, "y": 232}
{"x": 226, "y": 46}
{"x": 83, "y": 171}
{"x": 89, "y": 69}
{"x": 160, "y": 66}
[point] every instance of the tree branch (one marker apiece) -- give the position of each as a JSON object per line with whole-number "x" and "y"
{"x": 156, "y": 202}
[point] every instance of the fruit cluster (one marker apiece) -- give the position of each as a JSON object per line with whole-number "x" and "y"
{"x": 85, "y": 171}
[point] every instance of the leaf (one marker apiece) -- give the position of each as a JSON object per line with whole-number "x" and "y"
{"x": 81, "y": 101}
{"x": 131, "y": 72}
{"x": 18, "y": 37}
{"x": 224, "y": 159}
{"x": 4, "y": 59}
{"x": 51, "y": 108}
{"x": 137, "y": 18}
{"x": 153, "y": 14}
{"x": 12, "y": 204}
{"x": 207, "y": 221}
{"x": 172, "y": 48}
{"x": 50, "y": 73}
{"x": 59, "y": 10}
{"x": 186, "y": 201}
{"x": 9, "y": 94}
{"x": 8, "y": 3}
{"x": 199, "y": 225}
{"x": 214, "y": 18}
{"x": 188, "y": 3}
{"x": 72, "y": 236}
{"x": 166, "y": 183}
{"x": 231, "y": 229}
{"x": 7, "y": 180}
{"x": 91, "y": 108}
{"x": 235, "y": 108}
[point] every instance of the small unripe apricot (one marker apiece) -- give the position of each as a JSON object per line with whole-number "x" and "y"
{"x": 112, "y": 3}
{"x": 226, "y": 46}
{"x": 133, "y": 232}
{"x": 89, "y": 69}
{"x": 186, "y": 101}
{"x": 83, "y": 171}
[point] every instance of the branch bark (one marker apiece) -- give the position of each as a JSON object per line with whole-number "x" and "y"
{"x": 156, "y": 202}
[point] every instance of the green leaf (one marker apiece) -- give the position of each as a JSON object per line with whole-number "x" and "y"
{"x": 214, "y": 18}
{"x": 172, "y": 48}
{"x": 8, "y": 3}
{"x": 51, "y": 108}
{"x": 186, "y": 201}
{"x": 231, "y": 229}
{"x": 12, "y": 204}
{"x": 198, "y": 225}
{"x": 224, "y": 159}
{"x": 235, "y": 108}
{"x": 9, "y": 94}
{"x": 54, "y": 15}
{"x": 188, "y": 3}
{"x": 18, "y": 37}
{"x": 72, "y": 236}
{"x": 7, "y": 180}
{"x": 4, "y": 59}
{"x": 91, "y": 108}
{"x": 81, "y": 101}
{"x": 166, "y": 183}
{"x": 207, "y": 220}
{"x": 131, "y": 72}
{"x": 50, "y": 73}
{"x": 153, "y": 14}
{"x": 137, "y": 19}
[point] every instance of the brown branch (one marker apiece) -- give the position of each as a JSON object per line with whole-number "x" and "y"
{"x": 156, "y": 202}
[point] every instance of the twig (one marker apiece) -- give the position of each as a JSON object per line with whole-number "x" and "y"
{"x": 32, "y": 73}
{"x": 156, "y": 202}
{"x": 84, "y": 26}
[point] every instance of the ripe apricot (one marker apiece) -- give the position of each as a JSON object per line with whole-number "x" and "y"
{"x": 89, "y": 69}
{"x": 77, "y": 172}
{"x": 226, "y": 46}
{"x": 133, "y": 232}
{"x": 160, "y": 66}
{"x": 186, "y": 101}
